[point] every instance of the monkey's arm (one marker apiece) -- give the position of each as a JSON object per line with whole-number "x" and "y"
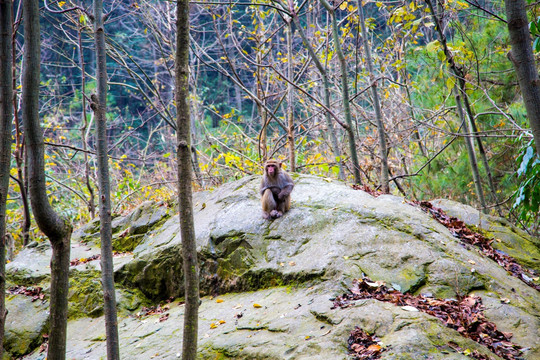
{"x": 286, "y": 191}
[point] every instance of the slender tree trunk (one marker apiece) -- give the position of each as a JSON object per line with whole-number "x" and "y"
{"x": 187, "y": 230}
{"x": 263, "y": 142}
{"x": 385, "y": 186}
{"x": 99, "y": 105}
{"x": 481, "y": 150}
{"x": 522, "y": 57}
{"x": 84, "y": 128}
{"x": 326, "y": 96}
{"x": 57, "y": 229}
{"x": 344, "y": 92}
{"x": 6, "y": 118}
{"x": 290, "y": 98}
{"x": 457, "y": 72}
{"x": 20, "y": 151}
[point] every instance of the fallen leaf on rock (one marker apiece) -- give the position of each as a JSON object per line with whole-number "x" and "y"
{"x": 35, "y": 292}
{"x": 257, "y": 306}
{"x": 213, "y": 326}
{"x": 219, "y": 300}
{"x": 464, "y": 315}
{"x": 460, "y": 230}
{"x": 364, "y": 346}
{"x": 409, "y": 308}
{"x": 80, "y": 261}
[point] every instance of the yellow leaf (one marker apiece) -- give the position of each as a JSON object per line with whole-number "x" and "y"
{"x": 219, "y": 300}
{"x": 213, "y": 326}
{"x": 61, "y": 3}
{"x": 256, "y": 306}
{"x": 343, "y": 5}
{"x": 450, "y": 83}
{"x": 222, "y": 321}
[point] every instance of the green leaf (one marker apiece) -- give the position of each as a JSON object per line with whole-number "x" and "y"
{"x": 325, "y": 167}
{"x": 532, "y": 28}
{"x": 529, "y": 154}
{"x": 166, "y": 155}
{"x": 432, "y": 46}
{"x": 536, "y": 44}
{"x": 441, "y": 55}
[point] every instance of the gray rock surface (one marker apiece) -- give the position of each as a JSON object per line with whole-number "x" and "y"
{"x": 292, "y": 267}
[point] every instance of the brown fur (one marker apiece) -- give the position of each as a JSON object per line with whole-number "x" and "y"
{"x": 276, "y": 187}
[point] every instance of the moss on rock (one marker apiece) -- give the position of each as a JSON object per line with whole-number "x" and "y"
{"x": 85, "y": 294}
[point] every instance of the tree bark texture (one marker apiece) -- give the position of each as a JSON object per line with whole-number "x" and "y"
{"x": 385, "y": 186}
{"x": 187, "y": 229}
{"x": 344, "y": 92}
{"x": 522, "y": 57}
{"x": 57, "y": 229}
{"x": 99, "y": 105}
{"x": 6, "y": 115}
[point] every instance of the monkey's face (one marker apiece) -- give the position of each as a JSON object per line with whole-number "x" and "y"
{"x": 271, "y": 170}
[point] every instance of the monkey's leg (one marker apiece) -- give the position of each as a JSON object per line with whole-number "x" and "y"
{"x": 268, "y": 204}
{"x": 283, "y": 206}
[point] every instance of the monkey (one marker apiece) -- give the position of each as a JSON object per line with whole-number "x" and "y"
{"x": 276, "y": 187}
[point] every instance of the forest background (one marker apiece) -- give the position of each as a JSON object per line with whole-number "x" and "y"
{"x": 379, "y": 105}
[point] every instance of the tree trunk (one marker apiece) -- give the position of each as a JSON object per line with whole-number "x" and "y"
{"x": 344, "y": 92}
{"x": 458, "y": 75}
{"x": 20, "y": 152}
{"x": 290, "y": 98}
{"x": 84, "y": 128}
{"x": 99, "y": 105}
{"x": 187, "y": 230}
{"x": 522, "y": 57}
{"x": 6, "y": 115}
{"x": 376, "y": 104}
{"x": 481, "y": 150}
{"x": 326, "y": 98}
{"x": 58, "y": 230}
{"x": 263, "y": 141}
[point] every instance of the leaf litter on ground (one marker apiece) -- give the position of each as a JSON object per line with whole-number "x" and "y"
{"x": 460, "y": 230}
{"x": 464, "y": 315}
{"x": 35, "y": 292}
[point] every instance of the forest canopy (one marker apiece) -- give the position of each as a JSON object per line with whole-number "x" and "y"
{"x": 418, "y": 98}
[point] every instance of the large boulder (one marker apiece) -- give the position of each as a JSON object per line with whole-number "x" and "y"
{"x": 293, "y": 266}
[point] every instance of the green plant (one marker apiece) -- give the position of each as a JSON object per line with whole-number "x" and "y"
{"x": 527, "y": 197}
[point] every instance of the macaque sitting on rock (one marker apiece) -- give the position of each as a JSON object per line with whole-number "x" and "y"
{"x": 276, "y": 187}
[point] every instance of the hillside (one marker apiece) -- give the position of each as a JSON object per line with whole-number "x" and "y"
{"x": 269, "y": 287}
